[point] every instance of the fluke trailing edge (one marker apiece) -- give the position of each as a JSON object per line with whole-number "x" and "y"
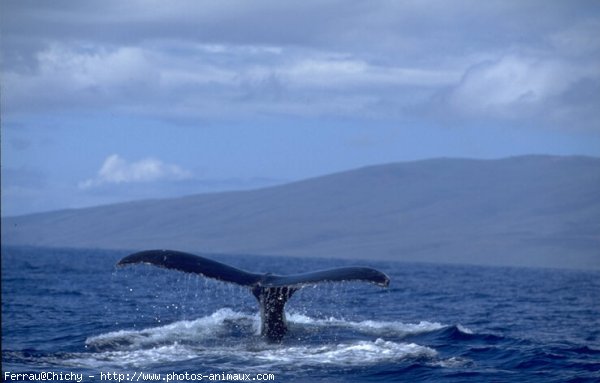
{"x": 272, "y": 291}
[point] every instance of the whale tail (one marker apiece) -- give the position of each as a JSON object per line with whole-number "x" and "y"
{"x": 272, "y": 291}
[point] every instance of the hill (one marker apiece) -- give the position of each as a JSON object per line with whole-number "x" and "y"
{"x": 525, "y": 211}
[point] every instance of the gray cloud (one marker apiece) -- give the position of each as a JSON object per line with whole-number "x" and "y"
{"x": 199, "y": 60}
{"x": 391, "y": 26}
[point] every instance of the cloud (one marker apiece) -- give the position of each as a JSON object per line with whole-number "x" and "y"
{"x": 519, "y": 85}
{"x": 208, "y": 81}
{"x": 212, "y": 60}
{"x": 116, "y": 170}
{"x": 494, "y": 86}
{"x": 579, "y": 39}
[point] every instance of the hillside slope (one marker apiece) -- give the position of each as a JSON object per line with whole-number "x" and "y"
{"x": 531, "y": 210}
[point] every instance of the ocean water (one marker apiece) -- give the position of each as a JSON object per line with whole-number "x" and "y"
{"x": 73, "y": 311}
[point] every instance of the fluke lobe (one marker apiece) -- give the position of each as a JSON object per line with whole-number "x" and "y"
{"x": 272, "y": 291}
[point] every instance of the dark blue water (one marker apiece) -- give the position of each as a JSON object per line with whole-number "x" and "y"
{"x": 73, "y": 311}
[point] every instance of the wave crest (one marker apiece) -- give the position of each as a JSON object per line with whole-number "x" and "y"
{"x": 234, "y": 335}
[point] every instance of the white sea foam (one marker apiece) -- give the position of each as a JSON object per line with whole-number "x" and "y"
{"x": 453, "y": 362}
{"x": 209, "y": 327}
{"x": 370, "y": 326}
{"x": 207, "y": 338}
{"x": 131, "y": 358}
{"x": 464, "y": 329}
{"x": 353, "y": 353}
{"x": 350, "y": 353}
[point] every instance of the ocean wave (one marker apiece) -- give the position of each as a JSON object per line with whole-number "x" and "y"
{"x": 390, "y": 328}
{"x": 209, "y": 338}
{"x": 352, "y": 353}
{"x": 185, "y": 331}
{"x": 224, "y": 321}
{"x": 267, "y": 355}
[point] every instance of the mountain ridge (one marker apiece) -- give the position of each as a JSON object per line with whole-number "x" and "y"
{"x": 530, "y": 210}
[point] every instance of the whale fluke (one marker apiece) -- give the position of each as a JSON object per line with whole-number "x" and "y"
{"x": 340, "y": 274}
{"x": 191, "y": 263}
{"x": 272, "y": 291}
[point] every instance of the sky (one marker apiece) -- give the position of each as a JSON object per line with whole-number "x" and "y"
{"x": 109, "y": 101}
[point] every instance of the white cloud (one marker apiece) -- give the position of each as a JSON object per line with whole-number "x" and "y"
{"x": 353, "y": 73}
{"x": 205, "y": 81}
{"x": 516, "y": 85}
{"x": 116, "y": 170}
